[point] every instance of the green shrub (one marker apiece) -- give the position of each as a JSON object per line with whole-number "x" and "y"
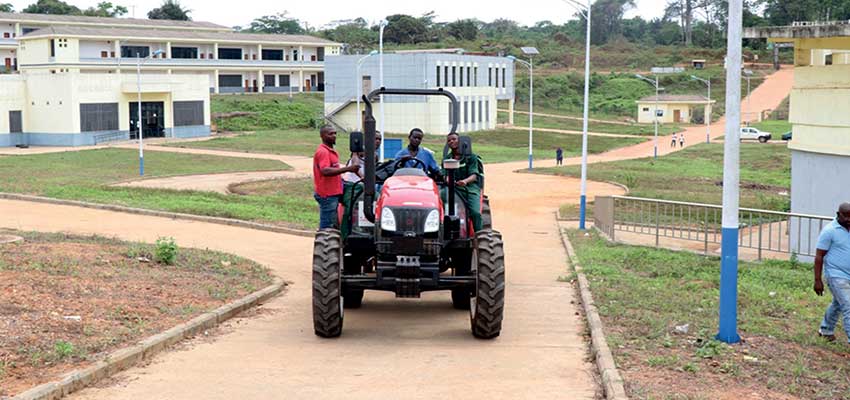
{"x": 166, "y": 251}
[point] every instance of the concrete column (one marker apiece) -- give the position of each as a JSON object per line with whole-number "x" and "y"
{"x": 511, "y": 113}
{"x": 259, "y": 52}
{"x": 300, "y": 53}
{"x": 215, "y": 53}
{"x": 215, "y": 80}
{"x": 300, "y": 79}
{"x": 18, "y": 31}
{"x": 167, "y": 49}
{"x": 116, "y": 47}
{"x": 260, "y": 81}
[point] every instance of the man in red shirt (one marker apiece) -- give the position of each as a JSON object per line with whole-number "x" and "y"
{"x": 326, "y": 177}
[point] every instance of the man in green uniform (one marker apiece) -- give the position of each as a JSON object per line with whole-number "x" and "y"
{"x": 468, "y": 179}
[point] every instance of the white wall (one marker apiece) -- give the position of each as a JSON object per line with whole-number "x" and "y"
{"x": 7, "y": 28}
{"x": 92, "y": 49}
{"x": 12, "y": 98}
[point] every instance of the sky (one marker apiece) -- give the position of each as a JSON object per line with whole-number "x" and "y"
{"x": 318, "y": 13}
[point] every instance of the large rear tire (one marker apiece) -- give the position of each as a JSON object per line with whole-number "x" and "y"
{"x": 488, "y": 304}
{"x": 486, "y": 215}
{"x": 327, "y": 283}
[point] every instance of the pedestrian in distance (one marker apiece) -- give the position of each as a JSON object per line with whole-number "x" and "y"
{"x": 327, "y": 182}
{"x": 559, "y": 156}
{"x": 681, "y": 140}
{"x": 832, "y": 259}
{"x": 673, "y": 142}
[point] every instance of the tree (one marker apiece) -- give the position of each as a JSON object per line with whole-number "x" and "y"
{"x": 607, "y": 19}
{"x": 170, "y": 9}
{"x": 105, "y": 9}
{"x": 463, "y": 29}
{"x": 279, "y": 23}
{"x": 56, "y": 7}
{"x": 355, "y": 33}
{"x": 404, "y": 29}
{"x": 7, "y": 7}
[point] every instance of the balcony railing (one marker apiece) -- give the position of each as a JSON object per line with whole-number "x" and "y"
{"x": 191, "y": 62}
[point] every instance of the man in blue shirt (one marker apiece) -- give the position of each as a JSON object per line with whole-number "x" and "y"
{"x": 415, "y": 150}
{"x": 833, "y": 257}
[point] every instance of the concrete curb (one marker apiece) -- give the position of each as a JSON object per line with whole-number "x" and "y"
{"x": 146, "y": 349}
{"x": 612, "y": 382}
{"x": 163, "y": 214}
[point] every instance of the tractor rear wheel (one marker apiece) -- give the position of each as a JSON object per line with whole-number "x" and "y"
{"x": 352, "y": 298}
{"x": 486, "y": 216}
{"x": 488, "y": 304}
{"x": 327, "y": 283}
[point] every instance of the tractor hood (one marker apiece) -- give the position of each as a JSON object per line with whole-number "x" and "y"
{"x": 410, "y": 191}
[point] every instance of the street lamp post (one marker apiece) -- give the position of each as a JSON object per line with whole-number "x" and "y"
{"x": 584, "y": 9}
{"x": 728, "y": 310}
{"x": 530, "y": 52}
{"x": 359, "y": 85}
{"x": 655, "y": 114}
{"x": 707, "y": 114}
{"x": 139, "y": 60}
{"x": 382, "y": 25}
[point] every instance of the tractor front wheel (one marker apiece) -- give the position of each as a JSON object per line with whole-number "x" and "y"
{"x": 486, "y": 214}
{"x": 327, "y": 283}
{"x": 488, "y": 304}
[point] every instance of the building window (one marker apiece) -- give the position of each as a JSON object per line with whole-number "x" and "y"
{"x": 229, "y": 54}
{"x": 460, "y": 76}
{"x": 487, "y": 109}
{"x": 465, "y": 112}
{"x": 475, "y": 78}
{"x": 276, "y": 55}
{"x": 469, "y": 76}
{"x": 294, "y": 55}
{"x": 230, "y": 80}
{"x": 320, "y": 53}
{"x": 480, "y": 111}
{"x": 490, "y": 76}
{"x": 188, "y": 113}
{"x": 52, "y": 47}
{"x": 504, "y": 76}
{"x": 135, "y": 51}
{"x": 268, "y": 80}
{"x": 184, "y": 52}
{"x": 472, "y": 110}
{"x": 28, "y": 30}
{"x": 96, "y": 117}
{"x": 15, "y": 123}
{"x": 454, "y": 76}
{"x": 438, "y": 76}
{"x": 283, "y": 80}
{"x": 497, "y": 77}
{"x": 646, "y": 109}
{"x": 104, "y": 54}
{"x": 446, "y": 75}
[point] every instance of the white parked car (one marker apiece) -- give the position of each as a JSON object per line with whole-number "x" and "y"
{"x": 750, "y": 133}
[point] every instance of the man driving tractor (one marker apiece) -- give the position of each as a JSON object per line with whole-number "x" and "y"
{"x": 415, "y": 150}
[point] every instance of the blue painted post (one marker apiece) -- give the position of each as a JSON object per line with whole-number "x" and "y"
{"x": 728, "y": 325}
{"x": 582, "y": 211}
{"x": 583, "y": 204}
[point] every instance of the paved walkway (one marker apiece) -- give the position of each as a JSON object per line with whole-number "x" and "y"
{"x": 569, "y": 132}
{"x": 604, "y": 121}
{"x": 413, "y": 344}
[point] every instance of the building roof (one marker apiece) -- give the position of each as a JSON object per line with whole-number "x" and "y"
{"x": 676, "y": 98}
{"x": 175, "y": 35}
{"x": 800, "y": 30}
{"x": 129, "y": 22}
{"x": 455, "y": 50}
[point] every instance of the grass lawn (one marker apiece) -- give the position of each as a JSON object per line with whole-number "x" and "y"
{"x": 695, "y": 175}
{"x": 493, "y": 146}
{"x": 85, "y": 176}
{"x": 643, "y": 293}
{"x": 777, "y": 128}
{"x": 599, "y": 127}
{"x": 270, "y": 111}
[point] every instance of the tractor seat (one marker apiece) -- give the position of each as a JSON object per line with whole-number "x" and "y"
{"x": 409, "y": 172}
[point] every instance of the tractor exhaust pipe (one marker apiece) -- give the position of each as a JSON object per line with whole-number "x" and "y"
{"x": 369, "y": 168}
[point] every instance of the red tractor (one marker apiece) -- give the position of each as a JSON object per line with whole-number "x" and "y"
{"x": 407, "y": 241}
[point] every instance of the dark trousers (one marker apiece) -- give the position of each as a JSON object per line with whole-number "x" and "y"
{"x": 327, "y": 210}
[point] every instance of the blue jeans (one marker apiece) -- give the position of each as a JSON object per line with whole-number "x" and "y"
{"x": 327, "y": 210}
{"x": 840, "y": 306}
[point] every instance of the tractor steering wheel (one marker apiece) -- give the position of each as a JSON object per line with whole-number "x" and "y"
{"x": 401, "y": 161}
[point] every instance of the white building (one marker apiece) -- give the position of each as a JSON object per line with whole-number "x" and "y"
{"x": 478, "y": 82}
{"x": 73, "y": 79}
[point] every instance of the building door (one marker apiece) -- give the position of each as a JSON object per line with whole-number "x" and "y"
{"x": 8, "y": 64}
{"x": 153, "y": 119}
{"x": 307, "y": 84}
{"x": 677, "y": 116}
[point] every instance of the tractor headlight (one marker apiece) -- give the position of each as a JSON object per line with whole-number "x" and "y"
{"x": 432, "y": 223}
{"x": 387, "y": 220}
